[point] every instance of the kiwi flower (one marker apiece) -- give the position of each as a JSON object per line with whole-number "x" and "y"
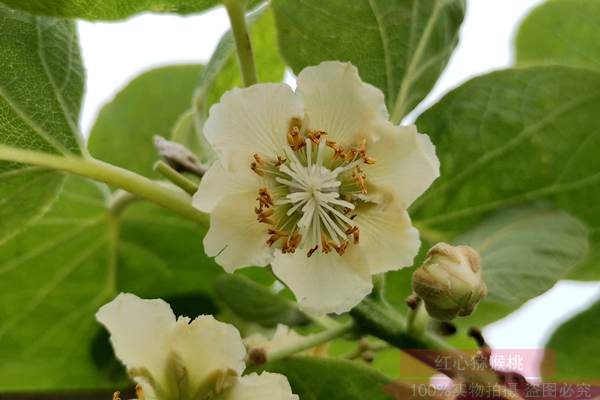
{"x": 315, "y": 183}
{"x": 179, "y": 359}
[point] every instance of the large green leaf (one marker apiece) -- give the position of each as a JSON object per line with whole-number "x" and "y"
{"x": 573, "y": 348}
{"x": 400, "y": 46}
{"x": 561, "y": 32}
{"x": 149, "y": 105}
{"x": 256, "y": 303}
{"x": 524, "y": 251}
{"x": 41, "y": 86}
{"x": 318, "y": 379}
{"x": 109, "y": 9}
{"x": 55, "y": 275}
{"x": 511, "y": 137}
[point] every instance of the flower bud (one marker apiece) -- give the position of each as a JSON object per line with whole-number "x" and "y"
{"x": 450, "y": 281}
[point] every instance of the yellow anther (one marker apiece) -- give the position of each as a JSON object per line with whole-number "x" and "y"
{"x": 296, "y": 139}
{"x": 341, "y": 249}
{"x": 264, "y": 198}
{"x": 254, "y": 168}
{"x": 280, "y": 161}
{"x": 315, "y": 136}
{"x": 139, "y": 392}
{"x": 116, "y": 395}
{"x": 369, "y": 160}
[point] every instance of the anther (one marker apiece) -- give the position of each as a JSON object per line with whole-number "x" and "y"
{"x": 280, "y": 161}
{"x": 325, "y": 244}
{"x": 264, "y": 197}
{"x": 292, "y": 243}
{"x": 312, "y": 251}
{"x": 315, "y": 136}
{"x": 341, "y": 249}
{"x": 296, "y": 139}
{"x": 338, "y": 151}
{"x": 258, "y": 159}
{"x": 369, "y": 160}
{"x": 254, "y": 168}
{"x": 139, "y": 392}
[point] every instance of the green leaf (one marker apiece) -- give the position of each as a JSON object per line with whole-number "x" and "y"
{"x": 41, "y": 86}
{"x": 511, "y": 137}
{"x": 256, "y": 303}
{"x": 561, "y": 32}
{"x": 320, "y": 378}
{"x": 399, "y": 46}
{"x": 55, "y": 275}
{"x": 572, "y": 349}
{"x": 524, "y": 251}
{"x": 109, "y": 9}
{"x": 149, "y": 105}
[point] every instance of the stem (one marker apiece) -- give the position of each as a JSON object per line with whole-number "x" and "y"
{"x": 119, "y": 201}
{"x": 112, "y": 175}
{"x": 311, "y": 341}
{"x": 237, "y": 17}
{"x": 416, "y": 320}
{"x": 382, "y": 321}
{"x": 179, "y": 180}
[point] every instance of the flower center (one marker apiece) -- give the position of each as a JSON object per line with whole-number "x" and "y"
{"x": 312, "y": 193}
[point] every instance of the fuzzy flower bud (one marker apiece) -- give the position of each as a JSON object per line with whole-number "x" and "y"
{"x": 450, "y": 281}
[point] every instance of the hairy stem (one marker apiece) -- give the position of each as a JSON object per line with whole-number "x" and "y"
{"x": 237, "y": 16}
{"x": 161, "y": 194}
{"x": 309, "y": 342}
{"x": 179, "y": 180}
{"x": 381, "y": 320}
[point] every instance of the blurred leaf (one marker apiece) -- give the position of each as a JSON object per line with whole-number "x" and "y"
{"x": 109, "y": 9}
{"x": 526, "y": 250}
{"x": 256, "y": 303}
{"x": 572, "y": 351}
{"x": 77, "y": 257}
{"x": 399, "y": 46}
{"x": 561, "y": 32}
{"x": 321, "y": 378}
{"x": 512, "y": 137}
{"x": 149, "y": 105}
{"x": 40, "y": 98}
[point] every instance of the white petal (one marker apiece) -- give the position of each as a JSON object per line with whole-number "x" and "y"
{"x": 266, "y": 386}
{"x": 218, "y": 183}
{"x": 235, "y": 237}
{"x": 139, "y": 332}
{"x": 252, "y": 120}
{"x": 406, "y": 163}
{"x": 337, "y": 101}
{"x": 323, "y": 283}
{"x": 207, "y": 349}
{"x": 388, "y": 241}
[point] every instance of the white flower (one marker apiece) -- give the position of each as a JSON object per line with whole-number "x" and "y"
{"x": 175, "y": 359}
{"x": 315, "y": 183}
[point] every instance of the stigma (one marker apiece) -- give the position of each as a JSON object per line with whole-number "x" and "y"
{"x": 311, "y": 193}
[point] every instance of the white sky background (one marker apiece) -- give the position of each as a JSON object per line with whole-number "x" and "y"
{"x": 114, "y": 53}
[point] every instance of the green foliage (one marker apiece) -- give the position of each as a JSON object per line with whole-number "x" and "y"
{"x": 78, "y": 256}
{"x": 40, "y": 97}
{"x": 149, "y": 105}
{"x": 399, "y": 46}
{"x": 573, "y": 348}
{"x": 256, "y": 303}
{"x": 318, "y": 379}
{"x": 109, "y": 9}
{"x": 561, "y": 32}
{"x": 511, "y": 137}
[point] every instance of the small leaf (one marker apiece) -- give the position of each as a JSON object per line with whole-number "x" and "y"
{"x": 399, "y": 46}
{"x": 40, "y": 99}
{"x": 524, "y": 251}
{"x": 109, "y": 9}
{"x": 573, "y": 348}
{"x": 321, "y": 378}
{"x": 512, "y": 137}
{"x": 256, "y": 303}
{"x": 149, "y": 105}
{"x": 561, "y": 32}
{"x": 55, "y": 276}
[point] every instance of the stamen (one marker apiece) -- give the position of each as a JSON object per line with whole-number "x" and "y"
{"x": 312, "y": 251}
{"x": 280, "y": 161}
{"x": 296, "y": 139}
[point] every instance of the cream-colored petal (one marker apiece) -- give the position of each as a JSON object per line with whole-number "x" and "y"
{"x": 338, "y": 102}
{"x": 388, "y": 241}
{"x": 235, "y": 237}
{"x": 252, "y": 120}
{"x": 406, "y": 163}
{"x": 323, "y": 283}
{"x": 266, "y": 386}
{"x": 139, "y": 332}
{"x": 208, "y": 350}
{"x": 218, "y": 183}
